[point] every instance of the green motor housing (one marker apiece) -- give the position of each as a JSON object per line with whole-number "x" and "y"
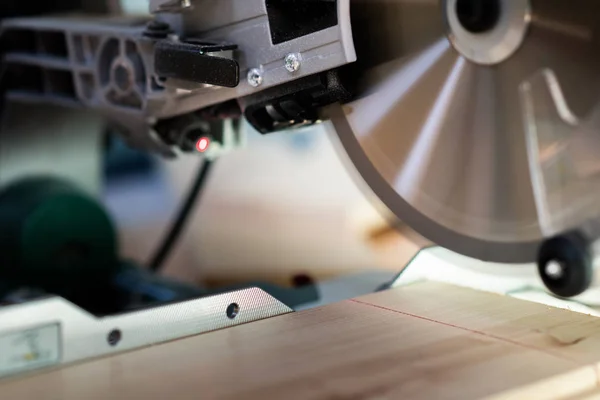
{"x": 54, "y": 236}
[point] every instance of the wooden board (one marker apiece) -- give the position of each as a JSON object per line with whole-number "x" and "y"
{"x": 426, "y": 341}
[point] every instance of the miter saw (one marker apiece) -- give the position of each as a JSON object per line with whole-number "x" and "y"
{"x": 474, "y": 121}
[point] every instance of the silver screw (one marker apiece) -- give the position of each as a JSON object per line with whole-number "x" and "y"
{"x": 555, "y": 269}
{"x": 255, "y": 78}
{"x": 292, "y": 62}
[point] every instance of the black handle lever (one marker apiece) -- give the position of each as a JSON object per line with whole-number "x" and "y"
{"x": 196, "y": 61}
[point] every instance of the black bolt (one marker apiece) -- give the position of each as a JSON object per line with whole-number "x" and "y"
{"x": 232, "y": 310}
{"x": 157, "y": 30}
{"x": 114, "y": 337}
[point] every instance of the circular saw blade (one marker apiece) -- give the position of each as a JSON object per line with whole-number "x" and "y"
{"x": 442, "y": 129}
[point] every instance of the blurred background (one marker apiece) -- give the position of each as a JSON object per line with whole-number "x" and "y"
{"x": 283, "y": 206}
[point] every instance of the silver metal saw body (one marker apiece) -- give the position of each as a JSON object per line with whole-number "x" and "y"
{"x": 476, "y": 122}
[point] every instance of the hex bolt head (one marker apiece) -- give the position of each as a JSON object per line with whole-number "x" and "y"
{"x": 292, "y": 62}
{"x": 255, "y": 78}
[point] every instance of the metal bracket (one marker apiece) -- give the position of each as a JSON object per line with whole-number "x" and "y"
{"x": 53, "y": 331}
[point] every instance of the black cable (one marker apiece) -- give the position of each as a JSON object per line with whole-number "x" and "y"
{"x": 173, "y": 234}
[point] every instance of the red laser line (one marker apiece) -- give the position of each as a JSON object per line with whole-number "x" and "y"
{"x": 527, "y": 346}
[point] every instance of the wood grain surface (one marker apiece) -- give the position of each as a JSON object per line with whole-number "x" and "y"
{"x": 426, "y": 340}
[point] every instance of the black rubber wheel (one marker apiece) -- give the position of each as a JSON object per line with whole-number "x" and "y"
{"x": 565, "y": 264}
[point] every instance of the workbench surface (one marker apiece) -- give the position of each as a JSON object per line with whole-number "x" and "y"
{"x": 426, "y": 340}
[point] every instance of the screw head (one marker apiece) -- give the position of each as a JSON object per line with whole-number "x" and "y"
{"x": 255, "y": 78}
{"x": 555, "y": 269}
{"x": 114, "y": 337}
{"x": 292, "y": 62}
{"x": 232, "y": 310}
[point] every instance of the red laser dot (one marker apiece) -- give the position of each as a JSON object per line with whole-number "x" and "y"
{"x": 202, "y": 144}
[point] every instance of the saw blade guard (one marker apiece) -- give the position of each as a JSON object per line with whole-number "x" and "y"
{"x": 564, "y": 154}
